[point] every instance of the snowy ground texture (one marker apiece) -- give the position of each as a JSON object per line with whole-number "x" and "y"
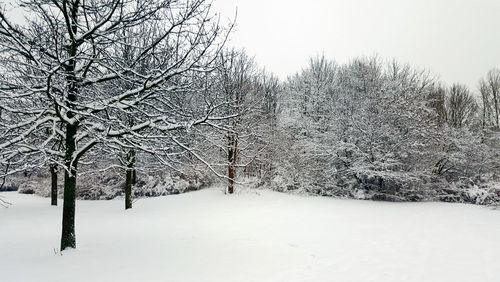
{"x": 251, "y": 236}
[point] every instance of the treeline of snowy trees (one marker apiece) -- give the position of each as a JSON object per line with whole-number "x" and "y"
{"x": 131, "y": 92}
{"x": 382, "y": 130}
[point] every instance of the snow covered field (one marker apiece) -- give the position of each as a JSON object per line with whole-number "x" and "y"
{"x": 250, "y": 236}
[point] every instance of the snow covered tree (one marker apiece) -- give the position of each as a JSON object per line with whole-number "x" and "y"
{"x": 437, "y": 100}
{"x": 305, "y": 115}
{"x": 268, "y": 90}
{"x": 62, "y": 73}
{"x": 490, "y": 95}
{"x": 238, "y": 87}
{"x": 461, "y": 106}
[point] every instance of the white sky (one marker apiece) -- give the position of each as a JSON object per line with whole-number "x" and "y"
{"x": 459, "y": 40}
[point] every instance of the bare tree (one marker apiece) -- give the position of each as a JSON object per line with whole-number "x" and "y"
{"x": 461, "y": 107}
{"x": 248, "y": 97}
{"x": 236, "y": 75}
{"x": 490, "y": 96}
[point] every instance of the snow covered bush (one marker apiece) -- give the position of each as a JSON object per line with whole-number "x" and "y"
{"x": 110, "y": 184}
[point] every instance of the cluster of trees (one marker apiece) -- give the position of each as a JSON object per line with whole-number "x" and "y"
{"x": 372, "y": 129}
{"x": 93, "y": 86}
{"x": 83, "y": 79}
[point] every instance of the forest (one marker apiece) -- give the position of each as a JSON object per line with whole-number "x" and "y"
{"x": 132, "y": 99}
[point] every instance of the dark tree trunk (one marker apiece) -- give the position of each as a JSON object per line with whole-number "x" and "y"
{"x": 497, "y": 110}
{"x": 53, "y": 187}
{"x": 68, "y": 239}
{"x": 128, "y": 189}
{"x": 134, "y": 176}
{"x": 231, "y": 159}
{"x": 129, "y": 179}
{"x": 230, "y": 174}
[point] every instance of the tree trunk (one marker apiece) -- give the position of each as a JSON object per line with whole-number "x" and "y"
{"x": 134, "y": 176}
{"x": 231, "y": 159}
{"x": 129, "y": 179}
{"x": 53, "y": 188}
{"x": 230, "y": 174}
{"x": 128, "y": 189}
{"x": 484, "y": 114}
{"x": 497, "y": 110}
{"x": 68, "y": 238}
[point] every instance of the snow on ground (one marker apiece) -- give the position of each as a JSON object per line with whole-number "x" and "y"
{"x": 250, "y": 236}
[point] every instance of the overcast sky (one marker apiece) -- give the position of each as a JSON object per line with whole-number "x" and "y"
{"x": 456, "y": 39}
{"x": 459, "y": 40}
